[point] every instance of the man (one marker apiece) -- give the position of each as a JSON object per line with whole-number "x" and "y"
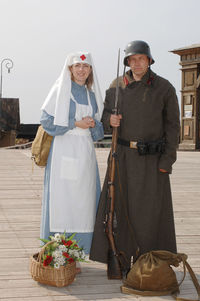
{"x": 148, "y": 132}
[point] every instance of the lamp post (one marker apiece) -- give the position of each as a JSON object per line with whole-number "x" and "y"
{"x": 8, "y": 64}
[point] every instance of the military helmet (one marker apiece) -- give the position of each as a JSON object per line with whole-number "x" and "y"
{"x": 137, "y": 47}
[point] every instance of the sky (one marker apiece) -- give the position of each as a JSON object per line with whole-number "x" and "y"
{"x": 37, "y": 35}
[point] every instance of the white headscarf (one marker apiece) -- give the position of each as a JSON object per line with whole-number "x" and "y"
{"x": 58, "y": 100}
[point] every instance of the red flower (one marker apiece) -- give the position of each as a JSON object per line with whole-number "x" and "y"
{"x": 48, "y": 260}
{"x": 66, "y": 254}
{"x": 76, "y": 246}
{"x": 71, "y": 260}
{"x": 69, "y": 243}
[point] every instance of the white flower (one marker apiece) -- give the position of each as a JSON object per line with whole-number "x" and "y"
{"x": 74, "y": 253}
{"x": 82, "y": 254}
{"x": 60, "y": 260}
{"x": 57, "y": 253}
{"x": 70, "y": 252}
{"x": 56, "y": 265}
{"x": 57, "y": 237}
{"x": 62, "y": 248}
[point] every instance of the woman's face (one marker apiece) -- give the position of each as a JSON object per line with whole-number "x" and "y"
{"x": 80, "y": 72}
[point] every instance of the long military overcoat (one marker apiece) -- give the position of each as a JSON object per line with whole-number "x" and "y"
{"x": 150, "y": 112}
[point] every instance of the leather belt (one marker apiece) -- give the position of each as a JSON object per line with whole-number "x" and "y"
{"x": 145, "y": 148}
{"x": 131, "y": 144}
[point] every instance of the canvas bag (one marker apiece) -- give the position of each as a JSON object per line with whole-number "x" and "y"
{"x": 40, "y": 147}
{"x": 152, "y": 275}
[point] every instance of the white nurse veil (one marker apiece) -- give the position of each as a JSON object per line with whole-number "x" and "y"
{"x": 58, "y": 100}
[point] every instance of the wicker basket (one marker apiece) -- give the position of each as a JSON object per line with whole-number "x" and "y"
{"x": 62, "y": 276}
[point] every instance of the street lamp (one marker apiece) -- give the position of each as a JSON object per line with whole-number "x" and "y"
{"x": 8, "y": 65}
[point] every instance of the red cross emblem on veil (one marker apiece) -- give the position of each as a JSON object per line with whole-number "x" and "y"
{"x": 83, "y": 57}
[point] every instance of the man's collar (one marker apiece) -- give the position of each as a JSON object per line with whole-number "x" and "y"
{"x": 147, "y": 78}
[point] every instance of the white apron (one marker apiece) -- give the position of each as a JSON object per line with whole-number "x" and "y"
{"x": 73, "y": 178}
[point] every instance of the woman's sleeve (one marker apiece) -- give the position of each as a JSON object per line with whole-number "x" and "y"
{"x": 97, "y": 132}
{"x": 47, "y": 121}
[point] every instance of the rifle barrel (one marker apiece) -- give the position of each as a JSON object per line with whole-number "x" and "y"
{"x": 113, "y": 265}
{"x": 117, "y": 84}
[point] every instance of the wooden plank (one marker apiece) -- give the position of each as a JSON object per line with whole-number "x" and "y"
{"x": 20, "y": 207}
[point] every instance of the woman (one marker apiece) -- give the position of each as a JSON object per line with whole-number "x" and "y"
{"x": 71, "y": 113}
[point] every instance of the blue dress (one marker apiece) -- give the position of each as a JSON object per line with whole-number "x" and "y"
{"x": 47, "y": 121}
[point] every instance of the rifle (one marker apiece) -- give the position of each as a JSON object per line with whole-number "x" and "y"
{"x": 113, "y": 264}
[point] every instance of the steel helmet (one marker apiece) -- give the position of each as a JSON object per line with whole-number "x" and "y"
{"x": 137, "y": 47}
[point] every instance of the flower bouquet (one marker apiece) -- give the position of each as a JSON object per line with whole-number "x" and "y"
{"x": 55, "y": 264}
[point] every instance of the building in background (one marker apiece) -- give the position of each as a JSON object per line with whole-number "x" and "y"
{"x": 190, "y": 97}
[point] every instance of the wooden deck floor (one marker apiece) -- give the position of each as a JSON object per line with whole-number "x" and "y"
{"x": 20, "y": 206}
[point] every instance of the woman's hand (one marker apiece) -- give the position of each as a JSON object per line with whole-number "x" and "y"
{"x": 115, "y": 120}
{"x": 90, "y": 121}
{"x": 85, "y": 123}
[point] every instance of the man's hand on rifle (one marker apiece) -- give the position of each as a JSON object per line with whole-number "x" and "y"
{"x": 115, "y": 120}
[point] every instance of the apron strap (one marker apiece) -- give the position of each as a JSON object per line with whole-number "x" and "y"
{"x": 88, "y": 98}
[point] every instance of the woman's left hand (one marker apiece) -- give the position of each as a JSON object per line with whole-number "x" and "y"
{"x": 90, "y": 121}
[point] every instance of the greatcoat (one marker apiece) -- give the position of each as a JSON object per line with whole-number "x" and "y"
{"x": 150, "y": 112}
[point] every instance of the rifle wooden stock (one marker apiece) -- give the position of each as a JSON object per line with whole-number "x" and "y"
{"x": 113, "y": 264}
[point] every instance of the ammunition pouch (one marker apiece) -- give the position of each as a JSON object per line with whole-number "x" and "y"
{"x": 151, "y": 148}
{"x": 145, "y": 148}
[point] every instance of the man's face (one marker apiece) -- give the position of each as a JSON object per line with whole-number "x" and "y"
{"x": 139, "y": 64}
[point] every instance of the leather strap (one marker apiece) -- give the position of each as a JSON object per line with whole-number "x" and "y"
{"x": 194, "y": 280}
{"x": 129, "y": 290}
{"x": 131, "y": 144}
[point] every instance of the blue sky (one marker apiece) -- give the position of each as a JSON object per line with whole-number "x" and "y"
{"x": 38, "y": 34}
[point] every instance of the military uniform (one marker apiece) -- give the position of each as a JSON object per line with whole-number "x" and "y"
{"x": 150, "y": 113}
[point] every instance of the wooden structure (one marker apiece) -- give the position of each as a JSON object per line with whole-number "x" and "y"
{"x": 190, "y": 97}
{"x": 9, "y": 120}
{"x": 21, "y": 192}
{"x": 27, "y": 131}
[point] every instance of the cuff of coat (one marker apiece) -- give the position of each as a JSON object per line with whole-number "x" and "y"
{"x": 106, "y": 125}
{"x": 165, "y": 163}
